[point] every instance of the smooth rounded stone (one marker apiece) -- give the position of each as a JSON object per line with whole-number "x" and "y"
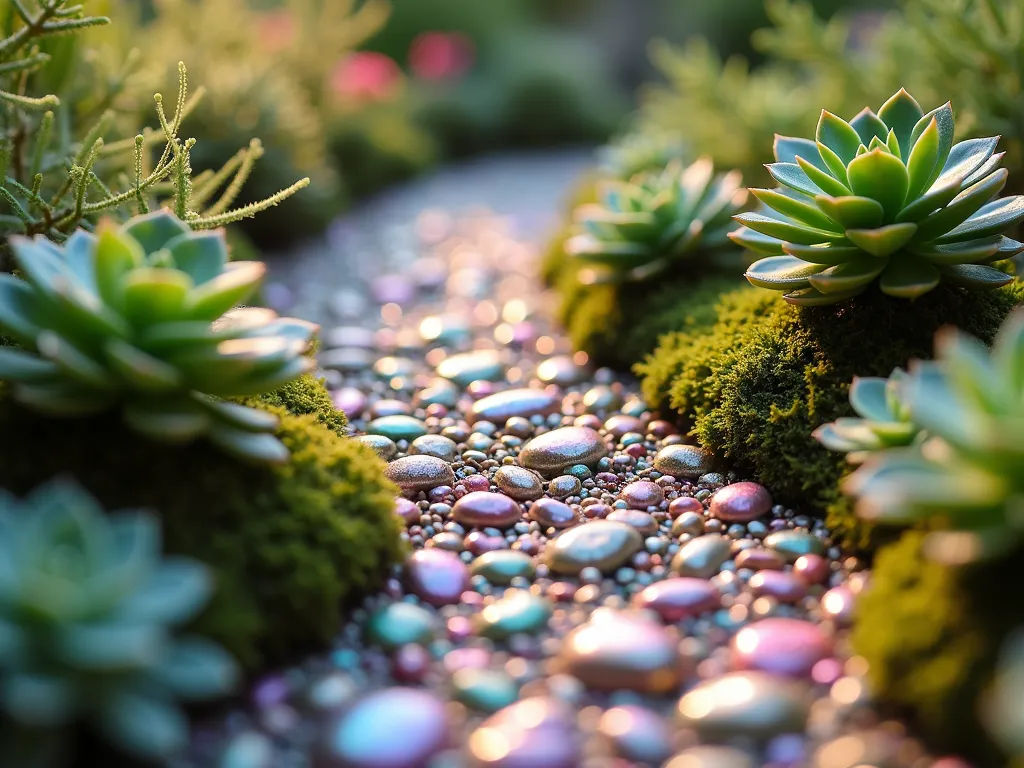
{"x": 435, "y": 445}
{"x": 740, "y": 502}
{"x": 348, "y": 336}
{"x": 621, "y": 424}
{"x": 446, "y": 330}
{"x": 467, "y": 367}
{"x": 438, "y": 392}
{"x": 601, "y": 544}
{"x": 552, "y": 513}
{"x": 838, "y": 604}
{"x": 397, "y": 427}
{"x": 710, "y": 756}
{"x": 759, "y": 559}
{"x": 249, "y": 749}
{"x": 642, "y": 494}
{"x": 383, "y": 446}
{"x": 390, "y": 407}
{"x": 501, "y": 566}
{"x": 518, "y": 611}
{"x": 483, "y": 509}
{"x": 687, "y": 462}
{"x": 363, "y": 735}
{"x": 642, "y": 521}
{"x": 345, "y": 359}
{"x": 485, "y": 690}
{"x": 349, "y": 400}
{"x": 391, "y": 367}
{"x": 564, "y": 485}
{"x": 419, "y": 473}
{"x": 702, "y": 556}
{"x": 794, "y": 544}
{"x": 813, "y": 569}
{"x": 551, "y": 452}
{"x": 398, "y": 624}
{"x": 519, "y": 483}
{"x": 537, "y": 732}
{"x": 636, "y": 733}
{"x": 782, "y": 646}
{"x": 745, "y": 704}
{"x": 679, "y": 598}
{"x": 601, "y": 398}
{"x": 783, "y": 586}
{"x": 502, "y": 406}
{"x": 561, "y": 370}
{"x": 436, "y": 576}
{"x": 617, "y": 650}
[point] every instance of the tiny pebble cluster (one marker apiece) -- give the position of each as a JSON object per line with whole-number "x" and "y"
{"x": 583, "y": 587}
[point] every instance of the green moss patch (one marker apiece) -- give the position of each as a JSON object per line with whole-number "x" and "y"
{"x": 289, "y": 545}
{"x": 931, "y": 635}
{"x": 305, "y": 395}
{"x": 754, "y": 385}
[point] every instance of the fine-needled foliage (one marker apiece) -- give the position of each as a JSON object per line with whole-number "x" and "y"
{"x": 968, "y": 476}
{"x": 144, "y": 318}
{"x": 60, "y": 166}
{"x": 886, "y": 197}
{"x": 89, "y": 612}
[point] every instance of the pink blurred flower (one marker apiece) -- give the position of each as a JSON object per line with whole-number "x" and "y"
{"x": 277, "y": 30}
{"x": 366, "y": 75}
{"x": 441, "y": 55}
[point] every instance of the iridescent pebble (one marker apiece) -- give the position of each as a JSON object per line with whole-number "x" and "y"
{"x": 688, "y": 522}
{"x": 446, "y": 330}
{"x": 745, "y": 704}
{"x": 601, "y": 544}
{"x": 435, "y": 445}
{"x": 794, "y": 544}
{"x": 347, "y": 359}
{"x": 780, "y": 645}
{"x": 519, "y": 483}
{"x": 518, "y": 611}
{"x": 642, "y": 494}
{"x": 740, "y": 502}
{"x": 553, "y": 451}
{"x": 620, "y": 424}
{"x": 389, "y": 407}
{"x": 565, "y": 485}
{"x": 397, "y": 427}
{"x": 838, "y": 604}
{"x": 438, "y": 392}
{"x": 419, "y": 473}
{"x": 683, "y": 461}
{"x": 363, "y": 736}
{"x": 390, "y": 367}
{"x": 483, "y": 364}
{"x": 552, "y": 513}
{"x": 712, "y": 757}
{"x": 813, "y": 569}
{"x": 702, "y": 556}
{"x": 685, "y": 505}
{"x": 503, "y": 565}
{"x": 783, "y": 586}
{"x": 533, "y": 733}
{"x": 561, "y": 370}
{"x": 398, "y": 624}
{"x": 383, "y": 446}
{"x": 759, "y": 559}
{"x": 483, "y": 509}
{"x": 249, "y": 749}
{"x": 679, "y": 598}
{"x": 485, "y": 690}
{"x": 350, "y": 400}
{"x": 502, "y": 406}
{"x": 436, "y": 576}
{"x": 642, "y": 521}
{"x": 601, "y": 398}
{"x": 637, "y": 734}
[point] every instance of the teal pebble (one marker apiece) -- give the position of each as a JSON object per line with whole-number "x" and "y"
{"x": 502, "y": 565}
{"x": 517, "y": 612}
{"x": 397, "y": 427}
{"x": 485, "y": 690}
{"x": 399, "y": 624}
{"x": 794, "y": 544}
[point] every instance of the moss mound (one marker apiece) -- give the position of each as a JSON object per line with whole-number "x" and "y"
{"x": 305, "y": 395}
{"x": 755, "y": 385}
{"x": 931, "y": 635}
{"x": 289, "y": 545}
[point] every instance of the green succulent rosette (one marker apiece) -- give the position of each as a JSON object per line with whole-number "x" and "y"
{"x": 886, "y": 197}
{"x": 144, "y": 318}
{"x": 656, "y": 221}
{"x": 88, "y": 618}
{"x": 883, "y": 419}
{"x": 968, "y": 475}
{"x": 640, "y": 152}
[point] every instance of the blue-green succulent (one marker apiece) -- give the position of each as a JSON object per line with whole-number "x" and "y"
{"x": 967, "y": 478}
{"x": 640, "y": 152}
{"x": 886, "y": 198}
{"x": 88, "y": 618}
{"x": 145, "y": 318}
{"x": 884, "y": 419}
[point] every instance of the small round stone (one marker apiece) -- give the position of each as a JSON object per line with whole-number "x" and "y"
{"x": 503, "y": 565}
{"x": 794, "y": 544}
{"x": 553, "y": 451}
{"x": 484, "y": 690}
{"x": 758, "y": 559}
{"x": 782, "y": 646}
{"x": 502, "y": 406}
{"x": 601, "y": 544}
{"x": 483, "y": 509}
{"x": 564, "y": 485}
{"x": 519, "y": 483}
{"x": 620, "y": 424}
{"x": 383, "y": 446}
{"x": 518, "y": 611}
{"x": 679, "y": 598}
{"x": 642, "y": 494}
{"x": 537, "y": 732}
{"x": 813, "y": 569}
{"x": 398, "y": 624}
{"x": 745, "y": 704}
{"x": 435, "y": 445}
{"x": 438, "y": 392}
{"x": 838, "y": 604}
{"x": 637, "y": 734}
{"x": 397, "y": 427}
{"x": 740, "y": 502}
{"x": 552, "y": 513}
{"x": 783, "y": 586}
{"x": 560, "y": 369}
{"x": 691, "y": 523}
{"x": 436, "y": 576}
{"x": 685, "y": 505}
{"x": 642, "y": 521}
{"x": 465, "y": 368}
{"x": 712, "y": 757}
{"x": 419, "y": 473}
{"x": 702, "y": 556}
{"x": 685, "y": 461}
